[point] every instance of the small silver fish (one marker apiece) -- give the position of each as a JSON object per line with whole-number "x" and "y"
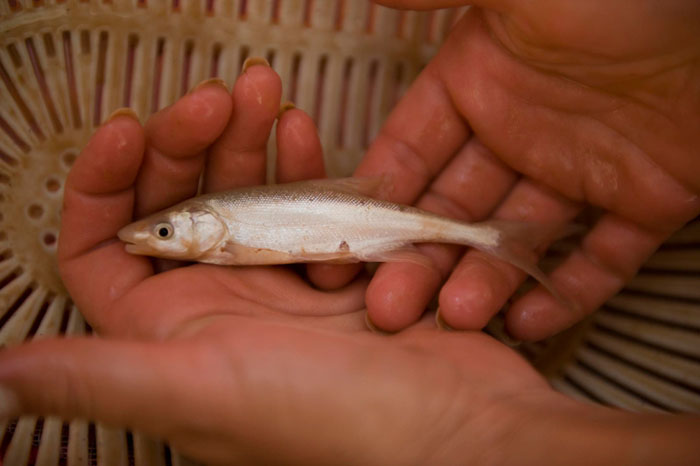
{"x": 319, "y": 221}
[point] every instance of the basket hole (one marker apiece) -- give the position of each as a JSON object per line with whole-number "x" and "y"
{"x": 157, "y": 71}
{"x": 35, "y": 211}
{"x": 53, "y": 185}
{"x": 270, "y": 57}
{"x": 70, "y": 77}
{"x": 320, "y": 85}
{"x": 68, "y": 159}
{"x": 294, "y": 78}
{"x": 215, "y": 57}
{"x": 85, "y": 42}
{"x": 275, "y": 12}
{"x": 339, "y": 15}
{"x": 244, "y": 55}
{"x": 8, "y": 159}
{"x": 14, "y": 55}
{"x": 49, "y": 239}
{"x": 49, "y": 45}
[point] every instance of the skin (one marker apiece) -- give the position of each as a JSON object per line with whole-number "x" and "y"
{"x": 254, "y": 366}
{"x": 532, "y": 111}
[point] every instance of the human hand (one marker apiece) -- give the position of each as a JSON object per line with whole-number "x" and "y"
{"x": 531, "y": 111}
{"x": 251, "y": 365}
{"x": 237, "y": 364}
{"x": 127, "y": 171}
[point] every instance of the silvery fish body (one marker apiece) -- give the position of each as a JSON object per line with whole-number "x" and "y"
{"x": 315, "y": 221}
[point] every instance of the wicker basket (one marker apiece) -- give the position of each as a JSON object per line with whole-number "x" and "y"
{"x": 66, "y": 65}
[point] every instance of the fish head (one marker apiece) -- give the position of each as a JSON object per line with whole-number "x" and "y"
{"x": 179, "y": 233}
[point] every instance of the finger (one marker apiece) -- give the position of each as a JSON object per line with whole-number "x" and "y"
{"x": 300, "y": 157}
{"x": 469, "y": 188}
{"x": 299, "y": 151}
{"x": 422, "y": 133}
{"x": 238, "y": 158}
{"x": 420, "y": 136}
{"x": 98, "y": 201}
{"x": 609, "y": 255}
{"x": 137, "y": 389}
{"x": 176, "y": 139}
{"x": 481, "y": 284}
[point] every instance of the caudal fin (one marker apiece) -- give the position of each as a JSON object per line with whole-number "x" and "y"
{"x": 521, "y": 243}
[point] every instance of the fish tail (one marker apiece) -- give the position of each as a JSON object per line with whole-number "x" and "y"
{"x": 521, "y": 244}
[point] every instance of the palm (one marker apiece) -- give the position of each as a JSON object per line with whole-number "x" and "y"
{"x": 170, "y": 301}
{"x": 247, "y": 355}
{"x": 222, "y": 387}
{"x": 530, "y": 112}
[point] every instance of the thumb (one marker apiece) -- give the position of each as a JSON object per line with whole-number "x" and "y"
{"x": 118, "y": 382}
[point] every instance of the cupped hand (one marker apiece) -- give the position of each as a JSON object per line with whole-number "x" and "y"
{"x": 245, "y": 365}
{"x": 531, "y": 111}
{"x": 126, "y": 172}
{"x": 252, "y": 365}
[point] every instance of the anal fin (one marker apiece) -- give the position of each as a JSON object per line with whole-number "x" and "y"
{"x": 407, "y": 253}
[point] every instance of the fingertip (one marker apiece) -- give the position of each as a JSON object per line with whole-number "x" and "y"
{"x": 192, "y": 123}
{"x": 261, "y": 87}
{"x": 468, "y": 305}
{"x": 111, "y": 159}
{"x": 299, "y": 151}
{"x": 239, "y": 155}
{"x": 538, "y": 315}
{"x": 398, "y": 294}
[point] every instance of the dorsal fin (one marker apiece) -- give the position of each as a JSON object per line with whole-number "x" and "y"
{"x": 370, "y": 186}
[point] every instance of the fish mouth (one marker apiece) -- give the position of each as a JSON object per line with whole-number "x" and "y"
{"x": 132, "y": 248}
{"x": 133, "y": 237}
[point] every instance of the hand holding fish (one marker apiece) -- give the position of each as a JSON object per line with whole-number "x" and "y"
{"x": 530, "y": 111}
{"x": 224, "y": 362}
{"x": 253, "y": 366}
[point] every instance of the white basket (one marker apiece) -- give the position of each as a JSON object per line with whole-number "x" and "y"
{"x": 66, "y": 65}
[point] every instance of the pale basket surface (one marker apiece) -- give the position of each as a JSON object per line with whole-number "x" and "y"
{"x": 66, "y": 65}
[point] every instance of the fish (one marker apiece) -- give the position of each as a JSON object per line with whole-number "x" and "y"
{"x": 327, "y": 220}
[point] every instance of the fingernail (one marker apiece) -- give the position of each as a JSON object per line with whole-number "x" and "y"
{"x": 372, "y": 327}
{"x": 9, "y": 406}
{"x": 124, "y": 111}
{"x": 254, "y": 61}
{"x": 288, "y": 105}
{"x": 440, "y": 322}
{"x": 210, "y": 82}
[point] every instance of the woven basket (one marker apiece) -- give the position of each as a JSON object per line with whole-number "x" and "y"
{"x": 66, "y": 65}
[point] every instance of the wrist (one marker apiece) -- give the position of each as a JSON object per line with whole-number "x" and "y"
{"x": 558, "y": 430}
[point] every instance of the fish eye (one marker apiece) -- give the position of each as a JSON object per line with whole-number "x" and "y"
{"x": 164, "y": 230}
